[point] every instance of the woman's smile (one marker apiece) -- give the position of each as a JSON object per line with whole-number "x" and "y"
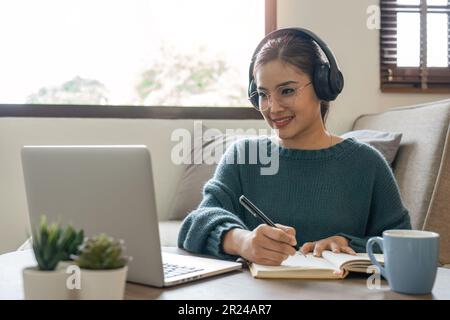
{"x": 280, "y": 122}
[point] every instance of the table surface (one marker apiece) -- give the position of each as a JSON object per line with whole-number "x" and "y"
{"x": 235, "y": 285}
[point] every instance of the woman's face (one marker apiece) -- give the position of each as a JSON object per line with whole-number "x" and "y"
{"x": 288, "y": 117}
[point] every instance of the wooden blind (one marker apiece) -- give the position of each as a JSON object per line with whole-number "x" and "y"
{"x": 410, "y": 79}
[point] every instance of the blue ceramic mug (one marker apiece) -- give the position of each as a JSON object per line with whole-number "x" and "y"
{"x": 410, "y": 259}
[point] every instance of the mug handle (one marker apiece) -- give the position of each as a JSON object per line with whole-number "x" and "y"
{"x": 369, "y": 248}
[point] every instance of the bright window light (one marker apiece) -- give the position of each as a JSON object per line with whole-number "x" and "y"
{"x": 409, "y": 2}
{"x": 408, "y": 39}
{"x": 437, "y": 2}
{"x": 437, "y": 40}
{"x": 128, "y": 52}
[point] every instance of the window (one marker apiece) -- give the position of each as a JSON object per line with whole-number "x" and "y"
{"x": 414, "y": 46}
{"x": 129, "y": 52}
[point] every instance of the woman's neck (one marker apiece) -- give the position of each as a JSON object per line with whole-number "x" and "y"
{"x": 315, "y": 140}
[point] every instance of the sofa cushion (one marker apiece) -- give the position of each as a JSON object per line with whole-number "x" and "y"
{"x": 205, "y": 154}
{"x": 385, "y": 142}
{"x": 416, "y": 166}
{"x": 168, "y": 233}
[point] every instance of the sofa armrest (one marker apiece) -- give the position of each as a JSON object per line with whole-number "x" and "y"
{"x": 438, "y": 216}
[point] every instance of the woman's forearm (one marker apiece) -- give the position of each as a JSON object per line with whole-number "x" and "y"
{"x": 232, "y": 242}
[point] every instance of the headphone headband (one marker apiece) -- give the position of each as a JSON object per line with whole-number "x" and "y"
{"x": 326, "y": 89}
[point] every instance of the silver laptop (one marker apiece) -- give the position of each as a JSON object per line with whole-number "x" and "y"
{"x": 109, "y": 189}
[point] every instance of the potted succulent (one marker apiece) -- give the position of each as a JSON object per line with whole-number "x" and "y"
{"x": 103, "y": 268}
{"x": 71, "y": 241}
{"x": 47, "y": 280}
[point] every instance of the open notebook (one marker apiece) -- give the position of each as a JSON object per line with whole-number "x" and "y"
{"x": 329, "y": 266}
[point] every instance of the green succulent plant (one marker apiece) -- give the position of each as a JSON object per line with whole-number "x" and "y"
{"x": 101, "y": 252}
{"x": 46, "y": 245}
{"x": 52, "y": 244}
{"x": 71, "y": 240}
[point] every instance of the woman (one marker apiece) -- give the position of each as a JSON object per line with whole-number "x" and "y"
{"x": 328, "y": 194}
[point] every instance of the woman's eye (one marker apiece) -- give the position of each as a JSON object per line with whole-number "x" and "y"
{"x": 262, "y": 94}
{"x": 287, "y": 91}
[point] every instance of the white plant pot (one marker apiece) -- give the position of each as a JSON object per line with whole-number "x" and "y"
{"x": 45, "y": 285}
{"x": 73, "y": 280}
{"x": 66, "y": 263}
{"x": 103, "y": 284}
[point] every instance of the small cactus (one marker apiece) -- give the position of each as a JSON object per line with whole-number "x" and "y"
{"x": 71, "y": 240}
{"x": 101, "y": 252}
{"x": 52, "y": 244}
{"x": 46, "y": 245}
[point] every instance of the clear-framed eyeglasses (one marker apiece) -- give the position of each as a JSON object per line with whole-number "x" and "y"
{"x": 284, "y": 95}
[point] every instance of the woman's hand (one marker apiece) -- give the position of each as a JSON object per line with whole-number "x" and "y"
{"x": 336, "y": 244}
{"x": 264, "y": 245}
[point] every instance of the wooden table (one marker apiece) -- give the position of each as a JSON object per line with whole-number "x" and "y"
{"x": 235, "y": 285}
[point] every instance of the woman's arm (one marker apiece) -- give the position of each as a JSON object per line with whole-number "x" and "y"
{"x": 203, "y": 229}
{"x": 216, "y": 227}
{"x": 264, "y": 245}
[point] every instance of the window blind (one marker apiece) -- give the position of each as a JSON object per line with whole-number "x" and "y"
{"x": 407, "y": 26}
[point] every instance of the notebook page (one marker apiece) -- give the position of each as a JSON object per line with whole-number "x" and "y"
{"x": 298, "y": 261}
{"x": 340, "y": 259}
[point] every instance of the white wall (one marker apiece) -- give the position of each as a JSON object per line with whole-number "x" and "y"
{"x": 155, "y": 133}
{"x": 342, "y": 25}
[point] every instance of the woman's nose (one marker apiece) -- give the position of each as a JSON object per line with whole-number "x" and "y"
{"x": 275, "y": 106}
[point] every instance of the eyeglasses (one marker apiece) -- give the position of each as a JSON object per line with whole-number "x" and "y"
{"x": 285, "y": 96}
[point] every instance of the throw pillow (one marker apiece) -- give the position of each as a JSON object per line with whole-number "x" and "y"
{"x": 385, "y": 142}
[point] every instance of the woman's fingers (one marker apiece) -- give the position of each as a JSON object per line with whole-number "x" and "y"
{"x": 279, "y": 235}
{"x": 277, "y": 246}
{"x": 335, "y": 247}
{"x": 348, "y": 250}
{"x": 319, "y": 247}
{"x": 287, "y": 229}
{"x": 335, "y": 244}
{"x": 307, "y": 247}
{"x": 265, "y": 254}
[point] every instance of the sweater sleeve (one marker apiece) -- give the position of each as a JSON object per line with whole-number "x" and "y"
{"x": 203, "y": 229}
{"x": 386, "y": 210}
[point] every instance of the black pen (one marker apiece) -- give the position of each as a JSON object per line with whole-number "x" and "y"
{"x": 247, "y": 204}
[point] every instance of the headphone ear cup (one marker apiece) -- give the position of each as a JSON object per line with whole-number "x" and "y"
{"x": 336, "y": 82}
{"x": 253, "y": 99}
{"x": 321, "y": 82}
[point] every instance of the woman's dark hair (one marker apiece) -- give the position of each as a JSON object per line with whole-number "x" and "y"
{"x": 301, "y": 52}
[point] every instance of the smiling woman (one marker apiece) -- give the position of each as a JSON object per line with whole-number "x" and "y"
{"x": 328, "y": 193}
{"x": 138, "y": 52}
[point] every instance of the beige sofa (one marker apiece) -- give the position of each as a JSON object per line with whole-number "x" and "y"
{"x": 422, "y": 167}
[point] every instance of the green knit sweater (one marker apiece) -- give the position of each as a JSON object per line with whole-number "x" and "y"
{"x": 347, "y": 189}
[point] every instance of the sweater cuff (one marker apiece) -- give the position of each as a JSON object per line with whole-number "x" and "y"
{"x": 214, "y": 243}
{"x": 356, "y": 243}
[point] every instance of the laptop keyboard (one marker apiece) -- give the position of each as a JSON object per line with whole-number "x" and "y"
{"x": 173, "y": 270}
